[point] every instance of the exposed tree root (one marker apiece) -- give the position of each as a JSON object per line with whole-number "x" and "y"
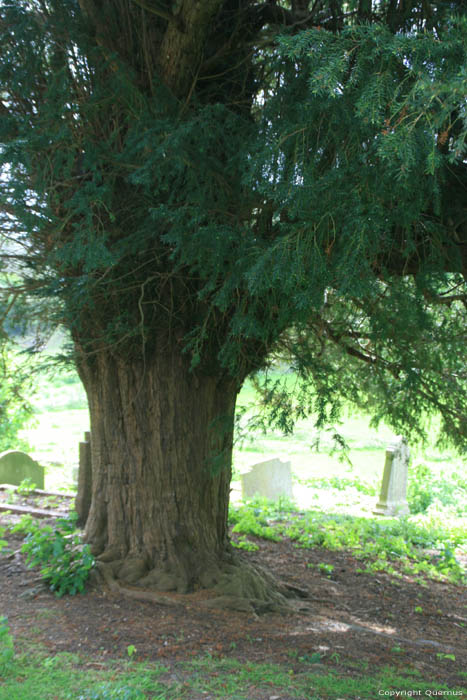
{"x": 103, "y": 573}
{"x": 235, "y": 585}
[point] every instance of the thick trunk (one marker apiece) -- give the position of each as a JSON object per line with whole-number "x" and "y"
{"x": 161, "y": 451}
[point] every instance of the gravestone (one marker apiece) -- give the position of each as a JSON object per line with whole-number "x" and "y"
{"x": 84, "y": 489}
{"x": 271, "y": 479}
{"x": 16, "y": 466}
{"x": 393, "y": 495}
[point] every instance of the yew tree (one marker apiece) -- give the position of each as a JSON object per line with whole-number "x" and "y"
{"x": 196, "y": 188}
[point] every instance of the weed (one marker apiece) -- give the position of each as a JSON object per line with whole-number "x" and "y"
{"x": 26, "y": 487}
{"x": 326, "y": 569}
{"x": 253, "y": 519}
{"x": 65, "y": 563}
{"x": 442, "y": 656}
{"x": 243, "y": 543}
{"x": 405, "y": 544}
{"x": 130, "y": 650}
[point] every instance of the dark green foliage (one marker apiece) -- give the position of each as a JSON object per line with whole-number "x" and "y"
{"x": 304, "y": 198}
{"x": 65, "y": 562}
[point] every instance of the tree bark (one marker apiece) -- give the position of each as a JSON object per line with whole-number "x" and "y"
{"x": 161, "y": 453}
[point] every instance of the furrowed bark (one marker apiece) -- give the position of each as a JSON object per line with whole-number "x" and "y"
{"x": 161, "y": 449}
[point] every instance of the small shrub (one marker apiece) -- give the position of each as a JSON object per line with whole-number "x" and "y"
{"x": 65, "y": 562}
{"x": 426, "y": 490}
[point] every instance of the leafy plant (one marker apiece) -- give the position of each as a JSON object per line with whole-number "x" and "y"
{"x": 326, "y": 569}
{"x": 442, "y": 656}
{"x": 65, "y": 562}
{"x": 393, "y": 545}
{"x": 426, "y": 489}
{"x": 243, "y": 543}
{"x": 253, "y": 519}
{"x": 26, "y": 487}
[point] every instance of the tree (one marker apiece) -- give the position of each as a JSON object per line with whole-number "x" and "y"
{"x": 198, "y": 187}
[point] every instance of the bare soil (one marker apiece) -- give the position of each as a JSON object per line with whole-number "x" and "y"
{"x": 356, "y": 622}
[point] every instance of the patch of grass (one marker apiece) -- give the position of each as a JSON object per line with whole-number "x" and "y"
{"x": 35, "y": 675}
{"x": 229, "y": 678}
{"x": 7, "y": 647}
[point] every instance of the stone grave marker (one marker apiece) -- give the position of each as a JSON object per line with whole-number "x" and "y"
{"x": 271, "y": 479}
{"x": 16, "y": 466}
{"x": 84, "y": 490}
{"x": 393, "y": 495}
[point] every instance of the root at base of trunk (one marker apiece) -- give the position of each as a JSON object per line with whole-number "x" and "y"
{"x": 236, "y": 585}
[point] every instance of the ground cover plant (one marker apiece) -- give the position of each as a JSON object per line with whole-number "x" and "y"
{"x": 425, "y": 546}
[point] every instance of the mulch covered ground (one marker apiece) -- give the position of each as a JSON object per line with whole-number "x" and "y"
{"x": 357, "y": 621}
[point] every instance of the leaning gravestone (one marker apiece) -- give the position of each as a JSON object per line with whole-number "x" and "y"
{"x": 271, "y": 479}
{"x": 393, "y": 495}
{"x": 84, "y": 490}
{"x": 16, "y": 466}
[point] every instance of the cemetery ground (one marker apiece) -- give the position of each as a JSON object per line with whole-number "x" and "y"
{"x": 386, "y": 611}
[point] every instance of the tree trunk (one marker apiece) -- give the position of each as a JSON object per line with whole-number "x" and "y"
{"x": 161, "y": 453}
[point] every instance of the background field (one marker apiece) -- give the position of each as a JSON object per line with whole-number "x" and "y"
{"x": 62, "y": 418}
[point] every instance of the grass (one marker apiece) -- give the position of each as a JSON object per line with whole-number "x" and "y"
{"x": 34, "y": 675}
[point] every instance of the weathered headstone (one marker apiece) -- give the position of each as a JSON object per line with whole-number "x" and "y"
{"x": 16, "y": 466}
{"x": 271, "y": 479}
{"x": 84, "y": 490}
{"x": 393, "y": 495}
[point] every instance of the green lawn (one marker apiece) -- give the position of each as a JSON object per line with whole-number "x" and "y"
{"x": 32, "y": 675}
